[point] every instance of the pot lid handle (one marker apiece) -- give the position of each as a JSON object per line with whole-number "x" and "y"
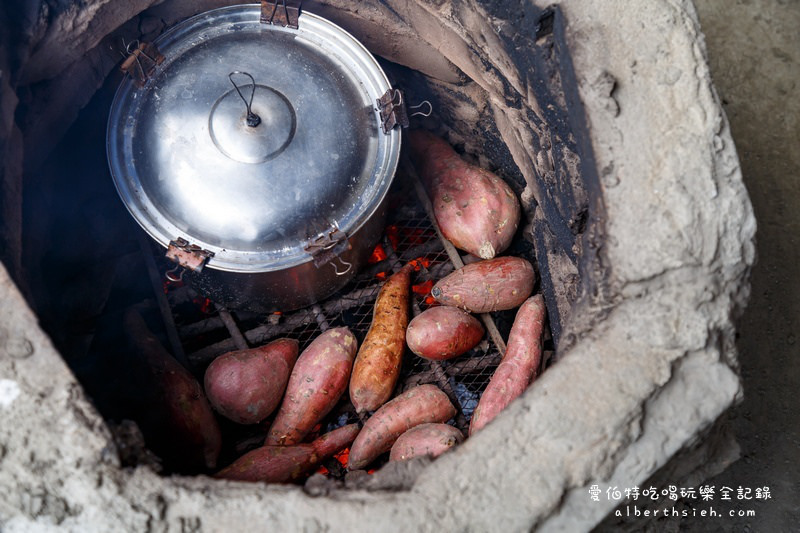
{"x": 253, "y": 120}
{"x": 280, "y": 12}
{"x": 251, "y": 137}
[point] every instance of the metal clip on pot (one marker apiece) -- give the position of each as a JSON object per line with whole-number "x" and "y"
{"x": 282, "y": 13}
{"x": 188, "y": 257}
{"x": 394, "y": 112}
{"x": 427, "y": 113}
{"x": 392, "y": 108}
{"x": 329, "y": 246}
{"x": 141, "y": 62}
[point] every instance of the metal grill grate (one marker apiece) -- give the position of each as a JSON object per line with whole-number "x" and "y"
{"x": 410, "y": 236}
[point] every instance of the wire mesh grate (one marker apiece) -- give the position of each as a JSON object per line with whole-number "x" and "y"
{"x": 409, "y": 236}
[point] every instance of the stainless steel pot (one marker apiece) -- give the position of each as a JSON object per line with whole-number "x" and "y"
{"x": 258, "y": 154}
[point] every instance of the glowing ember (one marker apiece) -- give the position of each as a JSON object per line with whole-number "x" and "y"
{"x": 205, "y": 305}
{"x": 392, "y": 234}
{"x": 343, "y": 456}
{"x": 378, "y": 255}
{"x": 418, "y": 236}
{"x": 423, "y": 289}
{"x": 420, "y": 262}
{"x": 381, "y": 275}
{"x": 167, "y": 285}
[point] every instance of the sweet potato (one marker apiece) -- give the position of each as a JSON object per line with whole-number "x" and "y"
{"x": 277, "y": 464}
{"x": 377, "y": 364}
{"x": 422, "y": 404}
{"x": 426, "y": 439}
{"x": 317, "y": 382}
{"x": 247, "y": 385}
{"x": 475, "y": 209}
{"x": 185, "y": 431}
{"x": 519, "y": 366}
{"x": 443, "y": 332}
{"x": 491, "y": 285}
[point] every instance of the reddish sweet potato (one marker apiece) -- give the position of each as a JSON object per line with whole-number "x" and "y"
{"x": 277, "y": 464}
{"x": 443, "y": 332}
{"x": 377, "y": 364}
{"x": 476, "y": 210}
{"x": 426, "y": 439}
{"x": 419, "y": 405}
{"x": 317, "y": 382}
{"x": 185, "y": 431}
{"x": 519, "y": 366}
{"x": 491, "y": 285}
{"x": 247, "y": 385}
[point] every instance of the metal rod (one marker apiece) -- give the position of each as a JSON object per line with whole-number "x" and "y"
{"x": 455, "y": 258}
{"x": 461, "y": 368}
{"x": 163, "y": 304}
{"x": 546, "y": 356}
{"x": 444, "y": 384}
{"x": 474, "y": 364}
{"x": 436, "y": 367}
{"x": 350, "y": 300}
{"x": 391, "y": 256}
{"x": 420, "y": 378}
{"x": 230, "y": 324}
{"x": 205, "y": 325}
{"x": 198, "y": 328}
{"x": 319, "y": 316}
{"x": 255, "y": 336}
{"x": 288, "y": 322}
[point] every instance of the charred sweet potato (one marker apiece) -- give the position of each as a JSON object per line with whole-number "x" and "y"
{"x": 317, "y": 382}
{"x": 426, "y": 439}
{"x": 422, "y": 404}
{"x": 491, "y": 285}
{"x": 519, "y": 365}
{"x": 377, "y": 364}
{"x": 247, "y": 385}
{"x": 475, "y": 209}
{"x": 443, "y": 332}
{"x": 185, "y": 431}
{"x": 277, "y": 464}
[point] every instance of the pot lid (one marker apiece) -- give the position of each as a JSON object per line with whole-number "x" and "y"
{"x": 253, "y": 140}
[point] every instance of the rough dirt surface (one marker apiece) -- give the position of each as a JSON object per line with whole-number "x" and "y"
{"x": 756, "y": 71}
{"x": 757, "y": 74}
{"x": 650, "y": 362}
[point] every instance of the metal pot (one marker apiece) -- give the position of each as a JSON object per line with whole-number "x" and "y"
{"x": 258, "y": 151}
